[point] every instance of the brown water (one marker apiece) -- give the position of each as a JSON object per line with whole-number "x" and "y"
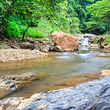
{"x": 57, "y": 71}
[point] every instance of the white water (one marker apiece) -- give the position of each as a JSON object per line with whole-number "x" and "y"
{"x": 85, "y": 41}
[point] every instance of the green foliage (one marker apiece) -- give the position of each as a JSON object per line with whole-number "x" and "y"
{"x": 108, "y": 32}
{"x": 22, "y": 29}
{"x": 107, "y": 40}
{"x": 2, "y": 47}
{"x": 75, "y": 25}
{"x": 35, "y": 33}
{"x": 100, "y": 16}
{"x": 47, "y": 26}
{"x": 39, "y": 18}
{"x": 12, "y": 30}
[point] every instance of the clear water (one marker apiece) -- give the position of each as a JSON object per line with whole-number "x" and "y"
{"x": 55, "y": 71}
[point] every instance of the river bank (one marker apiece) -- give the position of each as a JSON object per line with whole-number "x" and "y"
{"x": 90, "y": 95}
{"x": 7, "y": 55}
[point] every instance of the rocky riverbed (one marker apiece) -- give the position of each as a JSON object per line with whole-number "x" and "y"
{"x": 93, "y": 95}
{"x": 7, "y": 55}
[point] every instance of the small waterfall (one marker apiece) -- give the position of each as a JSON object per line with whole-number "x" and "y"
{"x": 85, "y": 41}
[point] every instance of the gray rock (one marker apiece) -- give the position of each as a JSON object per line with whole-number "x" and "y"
{"x": 101, "y": 53}
{"x": 44, "y": 49}
{"x": 57, "y": 49}
{"x": 26, "y": 45}
{"x": 48, "y": 47}
{"x": 11, "y": 82}
{"x": 37, "y": 48}
{"x": 10, "y": 103}
{"x": 94, "y": 95}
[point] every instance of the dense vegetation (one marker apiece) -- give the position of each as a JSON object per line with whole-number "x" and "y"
{"x": 39, "y": 18}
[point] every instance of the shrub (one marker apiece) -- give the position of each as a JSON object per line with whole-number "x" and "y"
{"x": 35, "y": 33}
{"x": 107, "y": 40}
{"x": 12, "y": 30}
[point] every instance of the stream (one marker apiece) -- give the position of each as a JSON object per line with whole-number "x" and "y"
{"x": 60, "y": 70}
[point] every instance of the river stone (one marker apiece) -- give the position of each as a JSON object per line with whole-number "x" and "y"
{"x": 65, "y": 41}
{"x": 12, "y": 82}
{"x": 93, "y": 95}
{"x": 22, "y": 77}
{"x": 105, "y": 73}
{"x": 10, "y": 103}
{"x": 101, "y": 53}
{"x": 26, "y": 45}
{"x": 57, "y": 49}
{"x": 43, "y": 49}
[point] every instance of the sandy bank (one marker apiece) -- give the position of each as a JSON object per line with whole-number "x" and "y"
{"x": 7, "y": 55}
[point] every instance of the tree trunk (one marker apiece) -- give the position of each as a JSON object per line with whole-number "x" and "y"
{"x": 24, "y": 34}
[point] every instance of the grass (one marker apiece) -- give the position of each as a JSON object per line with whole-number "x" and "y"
{"x": 2, "y": 47}
{"x": 35, "y": 33}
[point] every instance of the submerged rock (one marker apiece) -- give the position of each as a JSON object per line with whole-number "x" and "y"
{"x": 17, "y": 77}
{"x": 101, "y": 53}
{"x": 12, "y": 82}
{"x": 93, "y": 95}
{"x": 65, "y": 41}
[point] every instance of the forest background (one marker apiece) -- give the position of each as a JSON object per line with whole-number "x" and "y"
{"x": 39, "y": 18}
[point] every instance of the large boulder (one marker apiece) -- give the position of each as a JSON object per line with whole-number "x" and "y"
{"x": 65, "y": 41}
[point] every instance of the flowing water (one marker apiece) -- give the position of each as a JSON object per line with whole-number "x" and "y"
{"x": 61, "y": 69}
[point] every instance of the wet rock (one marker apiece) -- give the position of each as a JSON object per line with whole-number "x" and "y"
{"x": 57, "y": 49}
{"x": 101, "y": 46}
{"x": 37, "y": 48}
{"x": 44, "y": 49}
{"x": 105, "y": 73}
{"x": 48, "y": 47}
{"x": 107, "y": 46}
{"x": 87, "y": 79}
{"x": 101, "y": 53}
{"x": 65, "y": 41}
{"x": 17, "y": 77}
{"x": 93, "y": 45}
{"x": 9, "y": 84}
{"x": 13, "y": 101}
{"x": 93, "y": 95}
{"x": 12, "y": 82}
{"x": 89, "y": 35}
{"x": 26, "y": 45}
{"x": 10, "y": 103}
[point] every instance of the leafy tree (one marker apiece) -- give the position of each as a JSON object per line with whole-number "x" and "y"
{"x": 31, "y": 11}
{"x": 100, "y": 17}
